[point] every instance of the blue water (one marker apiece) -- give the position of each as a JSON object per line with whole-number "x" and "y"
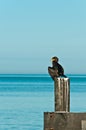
{"x": 24, "y": 99}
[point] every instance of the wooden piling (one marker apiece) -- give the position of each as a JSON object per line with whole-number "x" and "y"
{"x": 62, "y": 94}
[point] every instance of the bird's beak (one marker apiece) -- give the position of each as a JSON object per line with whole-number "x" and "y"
{"x": 52, "y": 60}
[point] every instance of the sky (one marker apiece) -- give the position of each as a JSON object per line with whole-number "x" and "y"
{"x": 33, "y": 31}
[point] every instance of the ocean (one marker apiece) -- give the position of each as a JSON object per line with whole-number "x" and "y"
{"x": 25, "y": 97}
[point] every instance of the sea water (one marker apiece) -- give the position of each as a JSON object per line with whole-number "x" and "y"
{"x": 24, "y": 99}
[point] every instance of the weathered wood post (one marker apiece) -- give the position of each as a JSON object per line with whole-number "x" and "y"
{"x": 62, "y": 94}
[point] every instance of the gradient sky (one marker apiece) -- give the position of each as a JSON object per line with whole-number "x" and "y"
{"x": 32, "y": 31}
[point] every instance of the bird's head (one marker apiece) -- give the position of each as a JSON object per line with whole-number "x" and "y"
{"x": 56, "y": 59}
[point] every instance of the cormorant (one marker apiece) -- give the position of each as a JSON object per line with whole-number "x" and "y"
{"x": 56, "y": 70}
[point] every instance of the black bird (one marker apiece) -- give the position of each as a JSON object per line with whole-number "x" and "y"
{"x": 56, "y": 70}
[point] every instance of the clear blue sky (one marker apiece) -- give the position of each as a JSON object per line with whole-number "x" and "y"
{"x": 32, "y": 31}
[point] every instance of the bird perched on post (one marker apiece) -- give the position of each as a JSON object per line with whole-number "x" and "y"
{"x": 56, "y": 70}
